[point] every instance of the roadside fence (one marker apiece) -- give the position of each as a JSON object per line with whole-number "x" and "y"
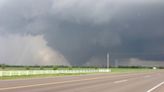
{"x": 39, "y": 72}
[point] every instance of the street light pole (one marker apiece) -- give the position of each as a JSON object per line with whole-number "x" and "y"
{"x": 107, "y": 60}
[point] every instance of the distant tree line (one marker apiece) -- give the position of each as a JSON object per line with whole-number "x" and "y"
{"x": 3, "y": 66}
{"x": 56, "y": 67}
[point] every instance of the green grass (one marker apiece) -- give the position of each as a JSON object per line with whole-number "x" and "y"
{"x": 37, "y": 76}
{"x": 131, "y": 70}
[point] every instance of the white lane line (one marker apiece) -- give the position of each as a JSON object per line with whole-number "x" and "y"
{"x": 155, "y": 87}
{"x": 120, "y": 81}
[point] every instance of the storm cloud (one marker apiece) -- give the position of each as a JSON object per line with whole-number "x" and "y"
{"x": 82, "y": 32}
{"x": 28, "y": 50}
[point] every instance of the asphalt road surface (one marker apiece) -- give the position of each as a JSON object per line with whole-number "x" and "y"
{"x": 129, "y": 82}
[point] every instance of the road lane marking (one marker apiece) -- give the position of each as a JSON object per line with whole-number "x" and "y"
{"x": 46, "y": 84}
{"x": 53, "y": 83}
{"x": 155, "y": 87}
{"x": 120, "y": 81}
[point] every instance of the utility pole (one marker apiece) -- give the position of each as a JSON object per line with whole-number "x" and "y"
{"x": 116, "y": 63}
{"x": 107, "y": 60}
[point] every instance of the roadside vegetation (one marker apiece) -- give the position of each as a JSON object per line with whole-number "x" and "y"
{"x": 119, "y": 69}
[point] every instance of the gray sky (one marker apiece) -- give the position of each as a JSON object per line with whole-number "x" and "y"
{"x": 81, "y": 32}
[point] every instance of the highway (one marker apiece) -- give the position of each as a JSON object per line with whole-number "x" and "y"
{"x": 129, "y": 82}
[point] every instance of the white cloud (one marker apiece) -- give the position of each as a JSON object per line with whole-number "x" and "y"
{"x": 28, "y": 50}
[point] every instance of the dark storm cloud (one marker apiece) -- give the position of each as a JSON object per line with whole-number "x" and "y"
{"x": 83, "y": 30}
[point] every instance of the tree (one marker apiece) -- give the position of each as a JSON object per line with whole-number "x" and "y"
{"x": 27, "y": 68}
{"x": 3, "y": 66}
{"x": 55, "y": 67}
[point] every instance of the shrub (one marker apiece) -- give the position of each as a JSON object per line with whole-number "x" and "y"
{"x": 27, "y": 68}
{"x": 3, "y": 66}
{"x": 55, "y": 67}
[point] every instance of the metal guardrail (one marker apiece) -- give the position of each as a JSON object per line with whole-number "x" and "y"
{"x": 37, "y": 72}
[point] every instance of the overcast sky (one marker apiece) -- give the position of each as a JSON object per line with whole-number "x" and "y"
{"x": 81, "y": 32}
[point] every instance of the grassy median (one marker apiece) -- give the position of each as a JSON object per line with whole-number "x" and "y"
{"x": 131, "y": 70}
{"x": 36, "y": 76}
